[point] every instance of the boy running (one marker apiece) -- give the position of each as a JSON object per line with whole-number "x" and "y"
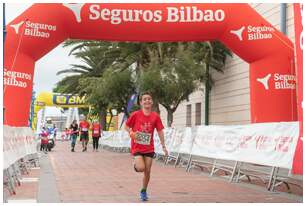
{"x": 141, "y": 125}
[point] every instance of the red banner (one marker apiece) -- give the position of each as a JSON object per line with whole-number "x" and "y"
{"x": 269, "y": 52}
{"x": 297, "y": 167}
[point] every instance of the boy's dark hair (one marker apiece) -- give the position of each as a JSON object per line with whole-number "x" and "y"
{"x": 142, "y": 94}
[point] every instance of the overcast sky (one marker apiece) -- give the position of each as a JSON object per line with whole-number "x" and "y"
{"x": 46, "y": 68}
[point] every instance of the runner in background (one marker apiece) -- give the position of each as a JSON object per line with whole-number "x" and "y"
{"x": 44, "y": 140}
{"x": 74, "y": 131}
{"x": 67, "y": 134}
{"x": 84, "y": 128}
{"x": 54, "y": 131}
{"x": 96, "y": 134}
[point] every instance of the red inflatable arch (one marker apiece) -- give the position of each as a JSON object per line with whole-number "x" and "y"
{"x": 43, "y": 26}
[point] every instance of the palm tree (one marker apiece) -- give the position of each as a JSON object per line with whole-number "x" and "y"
{"x": 213, "y": 56}
{"x": 67, "y": 85}
{"x": 96, "y": 58}
{"x": 100, "y": 56}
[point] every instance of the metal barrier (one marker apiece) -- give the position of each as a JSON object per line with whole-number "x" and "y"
{"x": 284, "y": 176}
{"x": 241, "y": 151}
{"x": 19, "y": 155}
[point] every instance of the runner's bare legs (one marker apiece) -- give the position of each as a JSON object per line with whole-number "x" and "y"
{"x": 144, "y": 164}
{"x": 147, "y": 171}
{"x": 83, "y": 144}
{"x": 139, "y": 163}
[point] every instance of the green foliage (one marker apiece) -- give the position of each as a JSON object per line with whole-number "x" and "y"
{"x": 112, "y": 71}
{"x": 68, "y": 84}
{"x": 84, "y": 111}
{"x": 172, "y": 79}
{"x": 210, "y": 55}
{"x": 134, "y": 108}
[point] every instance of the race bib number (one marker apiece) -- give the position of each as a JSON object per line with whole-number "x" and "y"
{"x": 84, "y": 129}
{"x": 96, "y": 132}
{"x": 143, "y": 138}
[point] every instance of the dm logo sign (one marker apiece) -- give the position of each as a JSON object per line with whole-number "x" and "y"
{"x": 68, "y": 100}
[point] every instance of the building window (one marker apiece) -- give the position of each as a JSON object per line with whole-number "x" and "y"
{"x": 188, "y": 115}
{"x": 198, "y": 114}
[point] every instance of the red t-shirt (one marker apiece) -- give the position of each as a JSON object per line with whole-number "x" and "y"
{"x": 139, "y": 122}
{"x": 84, "y": 126}
{"x": 96, "y": 130}
{"x": 44, "y": 134}
{"x": 44, "y": 140}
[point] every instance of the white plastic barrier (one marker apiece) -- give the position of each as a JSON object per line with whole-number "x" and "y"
{"x": 18, "y": 142}
{"x": 271, "y": 144}
{"x": 125, "y": 139}
{"x": 168, "y": 132}
{"x": 157, "y": 145}
{"x": 187, "y": 141}
{"x": 106, "y": 138}
{"x": 114, "y": 140}
{"x": 119, "y": 138}
{"x": 177, "y": 140}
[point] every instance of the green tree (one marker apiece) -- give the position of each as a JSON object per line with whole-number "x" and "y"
{"x": 94, "y": 98}
{"x": 171, "y": 71}
{"x": 172, "y": 80}
{"x": 96, "y": 57}
{"x": 211, "y": 55}
{"x": 111, "y": 91}
{"x": 67, "y": 85}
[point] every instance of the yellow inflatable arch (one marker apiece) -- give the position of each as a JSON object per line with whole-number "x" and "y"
{"x": 66, "y": 101}
{"x": 57, "y": 100}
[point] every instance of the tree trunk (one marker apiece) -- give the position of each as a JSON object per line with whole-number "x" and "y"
{"x": 102, "y": 119}
{"x": 126, "y": 112}
{"x": 156, "y": 107}
{"x": 110, "y": 120}
{"x": 207, "y": 90}
{"x": 169, "y": 118}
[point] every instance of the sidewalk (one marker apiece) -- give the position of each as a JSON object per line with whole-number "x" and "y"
{"x": 106, "y": 176}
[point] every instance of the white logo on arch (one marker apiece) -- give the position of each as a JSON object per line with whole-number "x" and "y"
{"x": 17, "y": 26}
{"x": 253, "y": 33}
{"x": 264, "y": 81}
{"x": 76, "y": 9}
{"x": 238, "y": 32}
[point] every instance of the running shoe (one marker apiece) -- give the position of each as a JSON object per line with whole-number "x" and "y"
{"x": 143, "y": 196}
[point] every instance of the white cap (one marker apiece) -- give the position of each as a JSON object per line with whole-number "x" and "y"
{"x": 82, "y": 116}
